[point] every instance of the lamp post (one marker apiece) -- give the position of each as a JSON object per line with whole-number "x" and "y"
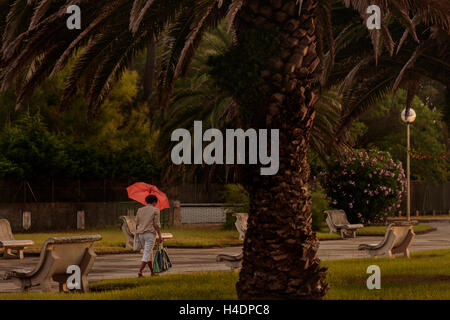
{"x": 408, "y": 119}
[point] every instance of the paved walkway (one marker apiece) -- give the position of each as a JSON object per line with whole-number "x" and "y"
{"x": 197, "y": 260}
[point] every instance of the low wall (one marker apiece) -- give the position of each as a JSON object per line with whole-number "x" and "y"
{"x": 63, "y": 215}
{"x": 60, "y": 215}
{"x": 202, "y": 213}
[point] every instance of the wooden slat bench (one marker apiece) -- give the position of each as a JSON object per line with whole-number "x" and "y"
{"x": 10, "y": 244}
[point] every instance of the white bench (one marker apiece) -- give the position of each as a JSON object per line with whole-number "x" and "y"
{"x": 397, "y": 239}
{"x": 241, "y": 224}
{"x": 57, "y": 255}
{"x": 233, "y": 261}
{"x": 9, "y": 244}
{"x": 337, "y": 222}
{"x": 129, "y": 230}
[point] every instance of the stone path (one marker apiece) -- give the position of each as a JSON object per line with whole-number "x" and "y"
{"x": 197, "y": 260}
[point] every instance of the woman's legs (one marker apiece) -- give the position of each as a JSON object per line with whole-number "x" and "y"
{"x": 148, "y": 239}
{"x": 142, "y": 268}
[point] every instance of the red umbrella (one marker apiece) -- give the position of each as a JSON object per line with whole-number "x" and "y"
{"x": 140, "y": 190}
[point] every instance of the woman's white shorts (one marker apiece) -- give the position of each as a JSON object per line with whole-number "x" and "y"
{"x": 147, "y": 240}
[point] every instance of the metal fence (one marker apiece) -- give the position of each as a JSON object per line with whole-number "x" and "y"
{"x": 202, "y": 213}
{"x": 106, "y": 190}
{"x": 427, "y": 198}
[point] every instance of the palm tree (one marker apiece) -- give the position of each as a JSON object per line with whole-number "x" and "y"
{"x": 279, "y": 45}
{"x": 418, "y": 56}
{"x": 197, "y": 97}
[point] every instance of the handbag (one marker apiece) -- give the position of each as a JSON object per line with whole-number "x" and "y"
{"x": 162, "y": 261}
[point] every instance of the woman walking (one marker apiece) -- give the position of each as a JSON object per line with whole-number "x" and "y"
{"x": 147, "y": 226}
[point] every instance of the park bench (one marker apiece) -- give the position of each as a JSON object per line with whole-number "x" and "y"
{"x": 129, "y": 230}
{"x": 233, "y": 261}
{"x": 337, "y": 222}
{"x": 57, "y": 254}
{"x": 8, "y": 242}
{"x": 397, "y": 239}
{"x": 241, "y": 224}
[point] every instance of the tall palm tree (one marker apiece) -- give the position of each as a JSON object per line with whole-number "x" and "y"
{"x": 422, "y": 53}
{"x": 279, "y": 48}
{"x": 197, "y": 97}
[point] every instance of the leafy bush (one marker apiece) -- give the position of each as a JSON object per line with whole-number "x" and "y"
{"x": 367, "y": 185}
{"x": 7, "y": 168}
{"x": 319, "y": 205}
{"x": 31, "y": 150}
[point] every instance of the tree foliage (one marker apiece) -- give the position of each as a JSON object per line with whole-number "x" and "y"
{"x": 382, "y": 128}
{"x": 29, "y": 150}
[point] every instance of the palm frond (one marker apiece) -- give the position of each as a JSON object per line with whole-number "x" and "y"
{"x": 138, "y": 12}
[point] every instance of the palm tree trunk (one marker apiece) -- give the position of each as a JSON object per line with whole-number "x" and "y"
{"x": 280, "y": 248}
{"x": 150, "y": 67}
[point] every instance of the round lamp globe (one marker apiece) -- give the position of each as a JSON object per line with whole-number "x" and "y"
{"x": 410, "y": 117}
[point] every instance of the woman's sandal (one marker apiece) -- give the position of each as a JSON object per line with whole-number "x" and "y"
{"x": 140, "y": 275}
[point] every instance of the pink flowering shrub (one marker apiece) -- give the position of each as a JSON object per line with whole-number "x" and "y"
{"x": 367, "y": 185}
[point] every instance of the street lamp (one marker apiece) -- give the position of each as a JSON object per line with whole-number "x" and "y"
{"x": 408, "y": 118}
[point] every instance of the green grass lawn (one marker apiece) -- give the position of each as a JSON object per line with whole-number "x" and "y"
{"x": 380, "y": 230}
{"x": 184, "y": 237}
{"x": 114, "y": 240}
{"x": 423, "y": 217}
{"x": 424, "y": 276}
